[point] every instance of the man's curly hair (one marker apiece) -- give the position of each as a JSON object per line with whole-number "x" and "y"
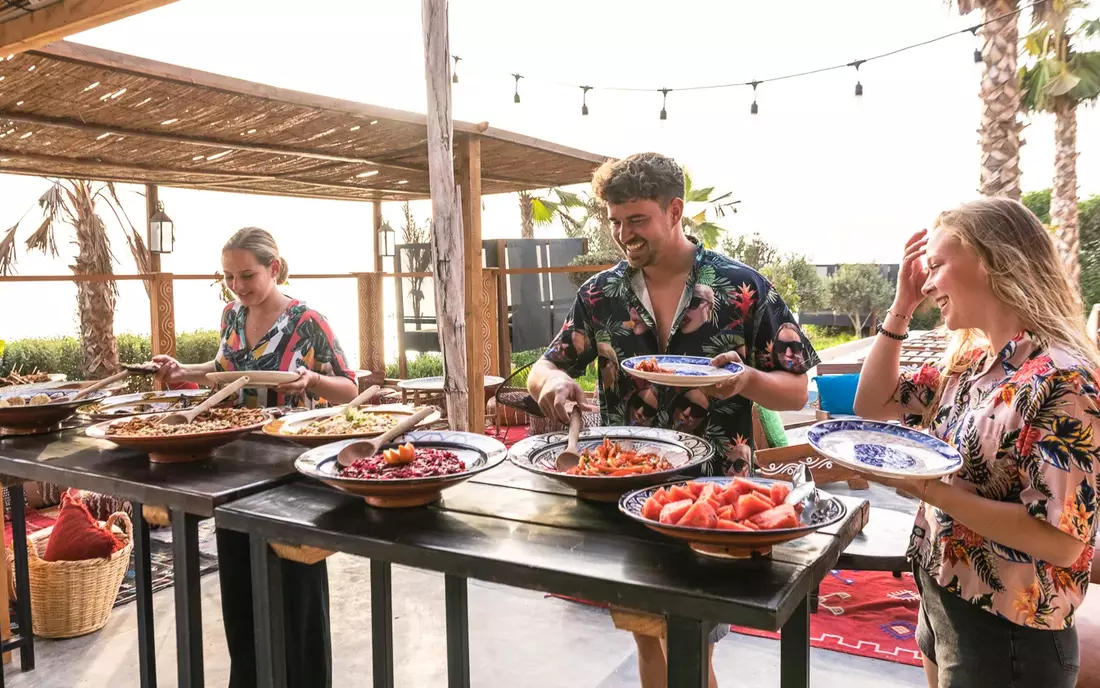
{"x": 642, "y": 176}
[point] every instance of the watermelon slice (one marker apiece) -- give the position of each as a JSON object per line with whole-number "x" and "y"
{"x": 740, "y": 486}
{"x": 672, "y": 512}
{"x": 709, "y": 490}
{"x": 678, "y": 492}
{"x": 661, "y": 496}
{"x": 652, "y": 508}
{"x": 700, "y": 515}
{"x": 782, "y": 516}
{"x": 779, "y": 492}
{"x": 750, "y": 505}
{"x": 696, "y": 488}
{"x": 727, "y": 513}
{"x": 724, "y": 524}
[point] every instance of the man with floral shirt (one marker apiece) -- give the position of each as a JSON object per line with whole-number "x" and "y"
{"x": 671, "y": 296}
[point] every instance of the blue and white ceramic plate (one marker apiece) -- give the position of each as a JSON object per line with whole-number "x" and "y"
{"x": 684, "y": 371}
{"x": 539, "y": 454}
{"x": 478, "y": 453}
{"x": 884, "y": 449}
{"x": 735, "y": 544}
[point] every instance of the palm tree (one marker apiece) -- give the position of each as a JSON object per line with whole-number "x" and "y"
{"x": 1058, "y": 79}
{"x": 526, "y": 215}
{"x": 1000, "y": 94}
{"x": 74, "y": 203}
{"x": 697, "y": 224}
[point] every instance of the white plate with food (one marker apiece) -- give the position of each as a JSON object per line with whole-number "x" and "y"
{"x": 144, "y": 402}
{"x": 256, "y": 378}
{"x": 321, "y": 426}
{"x": 680, "y": 371}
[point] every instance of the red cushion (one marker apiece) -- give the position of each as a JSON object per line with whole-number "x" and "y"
{"x": 77, "y": 536}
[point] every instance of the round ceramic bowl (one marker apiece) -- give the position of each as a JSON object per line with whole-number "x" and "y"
{"x": 735, "y": 544}
{"x": 174, "y": 448}
{"x": 685, "y": 371}
{"x": 289, "y": 426}
{"x": 539, "y": 454}
{"x": 124, "y": 405}
{"x": 478, "y": 452}
{"x": 15, "y": 420}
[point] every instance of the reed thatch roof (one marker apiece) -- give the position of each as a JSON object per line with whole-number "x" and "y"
{"x": 69, "y": 110}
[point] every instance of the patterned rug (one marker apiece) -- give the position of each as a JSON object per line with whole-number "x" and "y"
{"x": 160, "y": 556}
{"x": 865, "y": 613}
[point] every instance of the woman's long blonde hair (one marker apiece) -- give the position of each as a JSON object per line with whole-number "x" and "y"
{"x": 1025, "y": 274}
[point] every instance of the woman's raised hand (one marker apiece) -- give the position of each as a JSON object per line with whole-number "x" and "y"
{"x": 912, "y": 275}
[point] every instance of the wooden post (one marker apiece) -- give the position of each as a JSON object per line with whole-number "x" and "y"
{"x": 372, "y": 338}
{"x": 376, "y": 222}
{"x": 504, "y": 336}
{"x": 490, "y": 344}
{"x": 162, "y": 313}
{"x": 447, "y": 251}
{"x": 468, "y": 165}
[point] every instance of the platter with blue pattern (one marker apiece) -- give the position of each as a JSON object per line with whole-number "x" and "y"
{"x": 685, "y": 371}
{"x": 884, "y": 449}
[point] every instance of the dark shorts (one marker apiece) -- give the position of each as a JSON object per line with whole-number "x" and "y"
{"x": 975, "y": 649}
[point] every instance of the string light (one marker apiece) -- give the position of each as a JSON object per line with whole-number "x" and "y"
{"x": 454, "y": 75}
{"x": 977, "y": 51}
{"x": 755, "y": 108}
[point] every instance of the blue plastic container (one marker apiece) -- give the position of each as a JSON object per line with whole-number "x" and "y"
{"x": 837, "y": 393}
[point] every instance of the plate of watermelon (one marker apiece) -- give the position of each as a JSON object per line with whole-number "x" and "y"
{"x": 731, "y": 518}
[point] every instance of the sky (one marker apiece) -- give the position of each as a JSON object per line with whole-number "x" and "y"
{"x": 818, "y": 171}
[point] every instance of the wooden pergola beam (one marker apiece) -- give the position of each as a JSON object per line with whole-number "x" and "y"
{"x": 233, "y": 177}
{"x": 204, "y": 142}
{"x": 54, "y": 22}
{"x": 468, "y": 164}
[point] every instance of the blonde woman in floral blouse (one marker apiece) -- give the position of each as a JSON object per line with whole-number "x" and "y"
{"x": 1001, "y": 549}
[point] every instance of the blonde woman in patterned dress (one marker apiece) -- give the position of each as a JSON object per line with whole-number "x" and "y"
{"x": 1002, "y": 549}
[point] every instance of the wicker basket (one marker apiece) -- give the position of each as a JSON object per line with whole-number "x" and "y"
{"x": 71, "y": 598}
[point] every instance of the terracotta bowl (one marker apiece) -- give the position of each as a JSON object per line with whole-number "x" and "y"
{"x": 14, "y": 419}
{"x": 174, "y": 448}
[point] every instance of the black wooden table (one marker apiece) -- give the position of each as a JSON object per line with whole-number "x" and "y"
{"x": 515, "y": 528}
{"x": 190, "y": 492}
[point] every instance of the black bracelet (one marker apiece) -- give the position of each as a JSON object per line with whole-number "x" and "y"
{"x": 891, "y": 335}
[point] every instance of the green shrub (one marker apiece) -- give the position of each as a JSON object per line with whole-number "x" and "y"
{"x": 927, "y": 317}
{"x": 424, "y": 365}
{"x": 63, "y": 355}
{"x": 824, "y": 337}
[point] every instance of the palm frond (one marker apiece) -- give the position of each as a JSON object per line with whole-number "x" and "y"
{"x": 543, "y": 211}
{"x": 568, "y": 199}
{"x": 7, "y": 251}
{"x": 699, "y": 195}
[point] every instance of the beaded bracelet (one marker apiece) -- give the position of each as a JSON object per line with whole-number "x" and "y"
{"x": 892, "y": 335}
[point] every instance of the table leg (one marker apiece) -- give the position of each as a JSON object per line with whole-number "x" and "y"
{"x": 143, "y": 587}
{"x": 267, "y": 606}
{"x": 381, "y": 619}
{"x": 794, "y": 649}
{"x": 458, "y": 632}
{"x": 688, "y": 652}
{"x": 22, "y": 576}
{"x": 185, "y": 566}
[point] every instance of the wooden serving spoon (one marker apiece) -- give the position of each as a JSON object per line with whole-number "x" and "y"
{"x": 185, "y": 417}
{"x": 358, "y": 401}
{"x": 98, "y": 385}
{"x": 571, "y": 457}
{"x": 368, "y": 448}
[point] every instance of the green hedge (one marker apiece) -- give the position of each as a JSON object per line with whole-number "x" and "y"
{"x": 431, "y": 365}
{"x": 62, "y": 354}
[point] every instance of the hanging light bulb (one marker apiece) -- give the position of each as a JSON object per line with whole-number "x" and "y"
{"x": 584, "y": 99}
{"x": 517, "y": 78}
{"x": 454, "y": 75}
{"x": 754, "y": 109}
{"x": 664, "y": 100}
{"x": 977, "y": 51}
{"x": 859, "y": 84}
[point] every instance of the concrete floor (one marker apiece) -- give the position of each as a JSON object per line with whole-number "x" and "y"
{"x": 517, "y": 638}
